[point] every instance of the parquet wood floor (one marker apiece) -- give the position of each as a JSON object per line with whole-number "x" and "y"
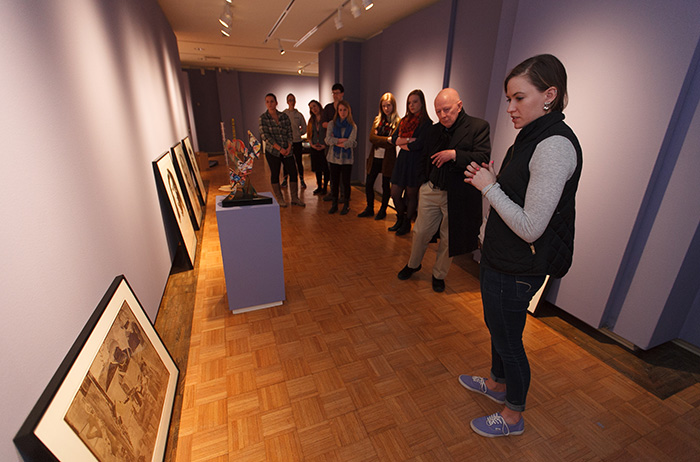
{"x": 360, "y": 366}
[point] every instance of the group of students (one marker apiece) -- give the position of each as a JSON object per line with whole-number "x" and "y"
{"x": 443, "y": 171}
{"x": 332, "y": 136}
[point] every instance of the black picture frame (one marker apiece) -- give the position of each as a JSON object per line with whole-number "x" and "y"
{"x": 112, "y": 396}
{"x": 192, "y": 160}
{"x": 188, "y": 185}
{"x": 167, "y": 175}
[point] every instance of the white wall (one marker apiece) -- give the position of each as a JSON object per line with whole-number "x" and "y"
{"x": 90, "y": 96}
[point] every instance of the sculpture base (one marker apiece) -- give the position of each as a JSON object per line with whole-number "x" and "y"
{"x": 241, "y": 199}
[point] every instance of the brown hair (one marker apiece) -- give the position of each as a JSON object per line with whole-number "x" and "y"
{"x": 423, "y": 114}
{"x": 543, "y": 71}
{"x": 313, "y": 101}
{"x": 342, "y": 102}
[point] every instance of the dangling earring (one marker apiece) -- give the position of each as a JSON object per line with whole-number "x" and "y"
{"x": 546, "y": 106}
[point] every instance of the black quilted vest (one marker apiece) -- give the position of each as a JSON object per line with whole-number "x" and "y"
{"x": 552, "y": 253}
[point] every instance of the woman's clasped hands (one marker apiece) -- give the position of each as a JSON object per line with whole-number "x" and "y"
{"x": 480, "y": 176}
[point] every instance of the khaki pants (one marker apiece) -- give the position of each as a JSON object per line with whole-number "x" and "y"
{"x": 432, "y": 208}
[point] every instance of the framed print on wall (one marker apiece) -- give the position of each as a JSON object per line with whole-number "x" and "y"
{"x": 166, "y": 171}
{"x": 188, "y": 185}
{"x": 195, "y": 169}
{"x": 112, "y": 396}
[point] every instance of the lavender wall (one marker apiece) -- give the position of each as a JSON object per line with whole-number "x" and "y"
{"x": 659, "y": 298}
{"x": 626, "y": 62}
{"x": 390, "y": 64}
{"x": 207, "y": 110}
{"x": 473, "y": 53}
{"x": 91, "y": 95}
{"x": 254, "y": 87}
{"x": 230, "y": 102}
{"x": 328, "y": 73}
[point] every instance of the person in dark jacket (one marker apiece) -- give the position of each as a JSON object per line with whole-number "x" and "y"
{"x": 529, "y": 232}
{"x": 405, "y": 178}
{"x": 445, "y": 201}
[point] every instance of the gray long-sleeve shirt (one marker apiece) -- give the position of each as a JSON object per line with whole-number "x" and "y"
{"x": 551, "y": 166}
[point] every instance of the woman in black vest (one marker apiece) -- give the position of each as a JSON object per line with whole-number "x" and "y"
{"x": 530, "y": 229}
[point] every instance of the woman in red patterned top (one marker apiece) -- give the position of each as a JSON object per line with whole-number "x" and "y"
{"x": 406, "y": 177}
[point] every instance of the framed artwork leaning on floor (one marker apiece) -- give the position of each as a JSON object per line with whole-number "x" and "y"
{"x": 166, "y": 177}
{"x": 187, "y": 184}
{"x": 192, "y": 160}
{"x": 112, "y": 396}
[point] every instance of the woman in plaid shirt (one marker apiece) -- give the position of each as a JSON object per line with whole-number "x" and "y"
{"x": 276, "y": 132}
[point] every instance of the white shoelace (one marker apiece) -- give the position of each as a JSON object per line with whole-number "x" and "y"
{"x": 495, "y": 419}
{"x": 482, "y": 385}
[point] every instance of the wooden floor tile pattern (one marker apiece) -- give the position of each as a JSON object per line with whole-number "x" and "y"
{"x": 357, "y": 365}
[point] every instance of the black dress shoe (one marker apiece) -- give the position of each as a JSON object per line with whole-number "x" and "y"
{"x": 366, "y": 213}
{"x": 438, "y": 284}
{"x": 317, "y": 191}
{"x": 407, "y": 272}
{"x": 333, "y": 209}
{"x": 345, "y": 210}
{"x": 405, "y": 228}
{"x": 380, "y": 215}
{"x": 397, "y": 225}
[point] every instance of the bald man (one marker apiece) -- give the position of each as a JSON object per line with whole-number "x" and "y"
{"x": 445, "y": 201}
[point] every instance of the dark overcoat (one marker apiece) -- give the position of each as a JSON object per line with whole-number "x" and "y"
{"x": 470, "y": 138}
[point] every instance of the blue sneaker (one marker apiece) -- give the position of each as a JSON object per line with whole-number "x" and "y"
{"x": 478, "y": 385}
{"x": 494, "y": 425}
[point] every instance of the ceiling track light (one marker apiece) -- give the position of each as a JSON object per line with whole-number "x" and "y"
{"x": 226, "y": 17}
{"x": 355, "y": 8}
{"x": 225, "y": 33}
{"x": 367, "y": 4}
{"x": 338, "y": 21}
{"x": 279, "y": 46}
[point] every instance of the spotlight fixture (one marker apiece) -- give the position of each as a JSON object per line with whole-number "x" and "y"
{"x": 355, "y": 8}
{"x": 279, "y": 46}
{"x": 338, "y": 21}
{"x": 367, "y": 4}
{"x": 300, "y": 71}
{"x": 225, "y": 33}
{"x": 226, "y": 17}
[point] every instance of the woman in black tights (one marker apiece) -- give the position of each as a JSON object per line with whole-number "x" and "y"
{"x": 405, "y": 179}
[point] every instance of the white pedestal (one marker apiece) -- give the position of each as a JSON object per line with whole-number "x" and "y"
{"x": 251, "y": 247}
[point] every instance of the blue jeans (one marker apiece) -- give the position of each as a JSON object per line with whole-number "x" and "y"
{"x": 505, "y": 298}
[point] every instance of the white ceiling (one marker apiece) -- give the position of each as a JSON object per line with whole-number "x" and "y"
{"x": 201, "y": 44}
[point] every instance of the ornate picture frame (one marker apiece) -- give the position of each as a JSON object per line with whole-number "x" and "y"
{"x": 112, "y": 396}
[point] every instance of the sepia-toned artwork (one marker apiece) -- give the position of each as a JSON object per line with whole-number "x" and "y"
{"x": 117, "y": 409}
{"x": 112, "y": 397}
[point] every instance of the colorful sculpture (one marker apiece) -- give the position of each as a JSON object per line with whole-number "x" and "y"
{"x": 239, "y": 161}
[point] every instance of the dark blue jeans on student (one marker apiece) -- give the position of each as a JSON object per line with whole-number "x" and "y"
{"x": 505, "y": 298}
